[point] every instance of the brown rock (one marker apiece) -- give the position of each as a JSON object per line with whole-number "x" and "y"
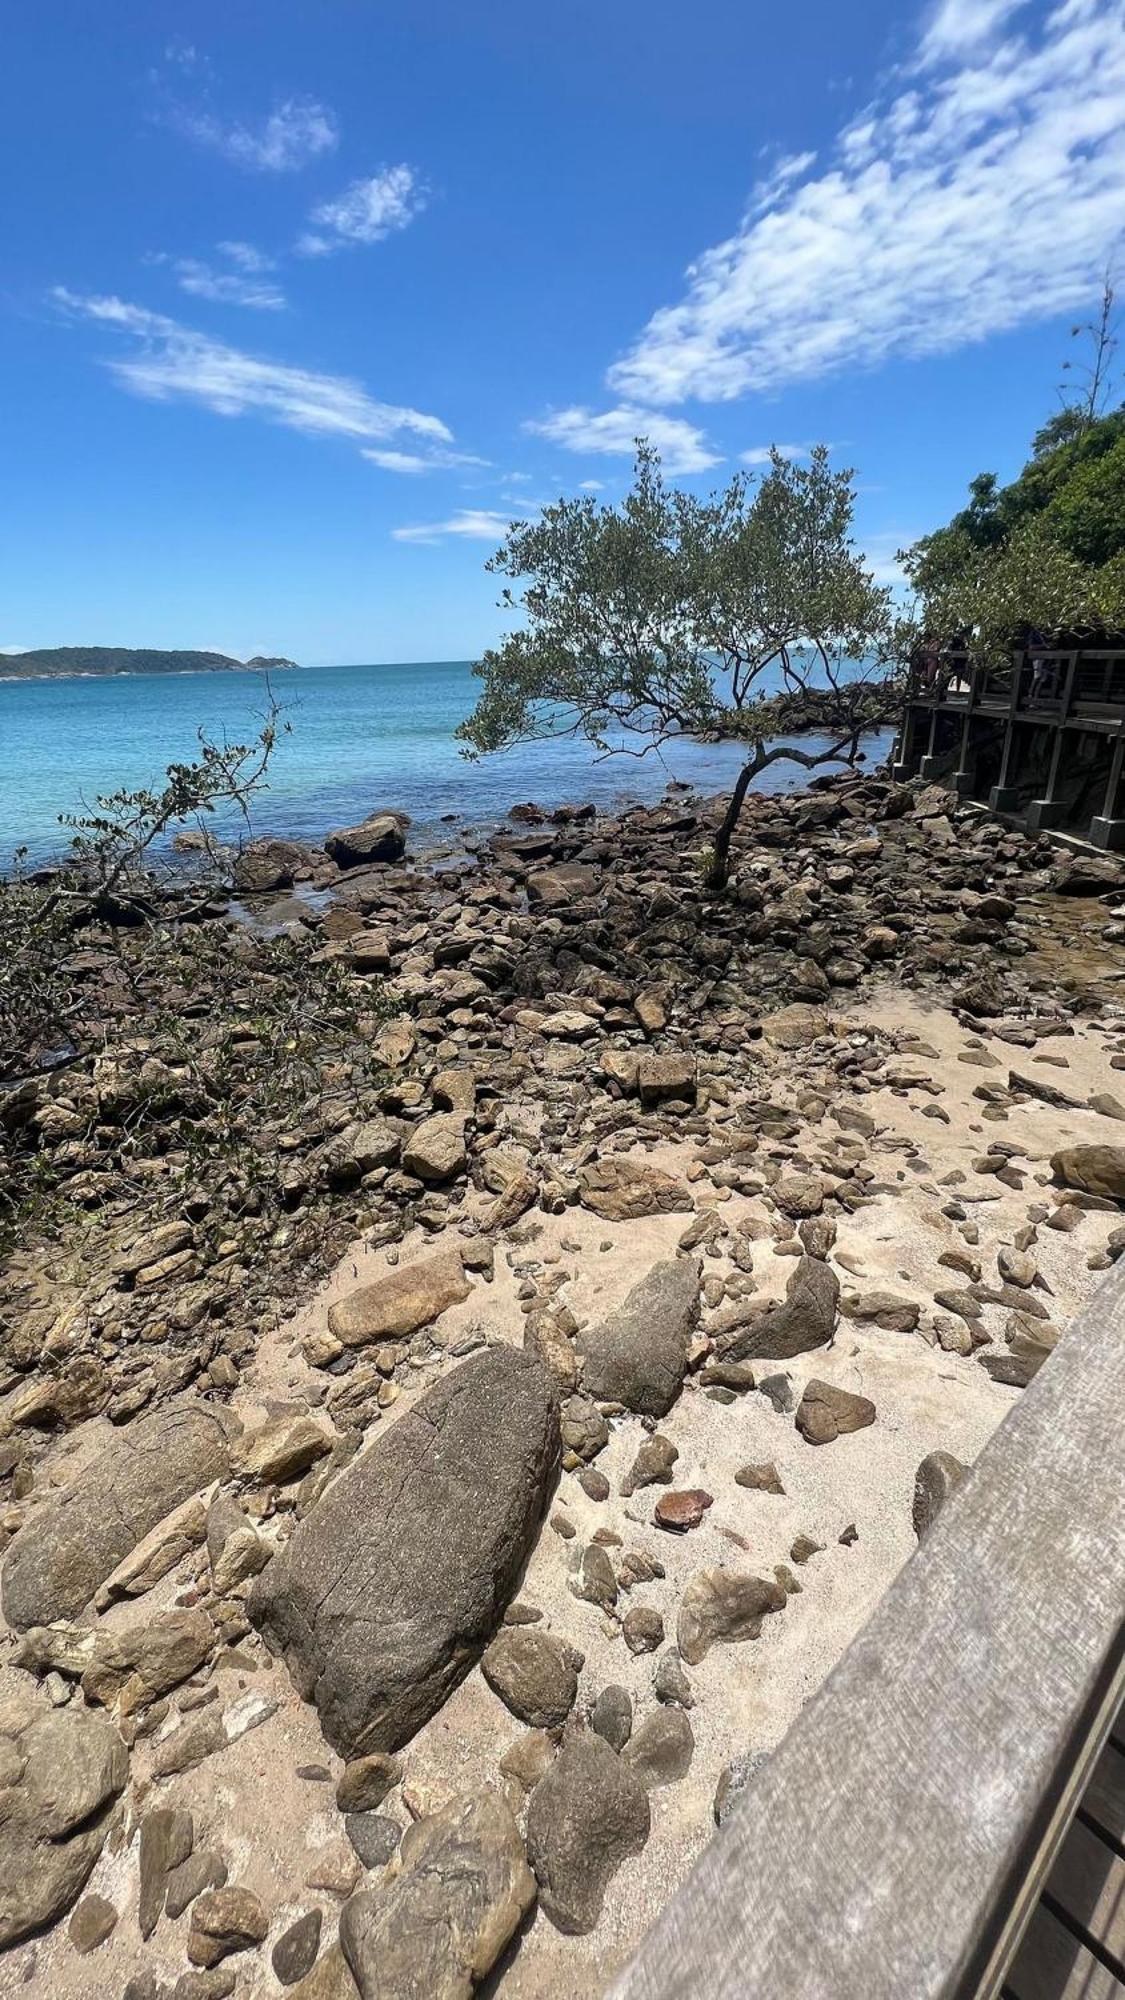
{"x": 409, "y": 1297}
{"x": 91, "y": 1924}
{"x": 652, "y": 1465}
{"x": 759, "y": 1478}
{"x": 934, "y": 1481}
{"x": 224, "y": 1921}
{"x": 535, "y": 1674}
{"x": 681, "y": 1510}
{"x": 723, "y": 1604}
{"x": 457, "y": 1891}
{"x": 623, "y": 1189}
{"x": 826, "y": 1412}
{"x": 1093, "y": 1169}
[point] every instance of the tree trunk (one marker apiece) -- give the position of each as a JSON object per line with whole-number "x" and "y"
{"x": 720, "y": 853}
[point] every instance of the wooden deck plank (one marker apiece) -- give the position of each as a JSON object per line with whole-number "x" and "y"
{"x": 1104, "y": 1801}
{"x": 1088, "y": 1881}
{"x": 1053, "y": 1965}
{"x": 881, "y": 1850}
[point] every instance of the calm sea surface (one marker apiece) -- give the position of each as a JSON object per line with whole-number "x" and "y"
{"x": 361, "y": 739}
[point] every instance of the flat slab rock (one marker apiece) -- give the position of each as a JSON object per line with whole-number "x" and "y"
{"x": 407, "y": 1298}
{"x": 637, "y": 1356}
{"x": 456, "y": 1892}
{"x": 621, "y": 1190}
{"x": 805, "y": 1319}
{"x": 392, "y": 1586}
{"x": 70, "y": 1545}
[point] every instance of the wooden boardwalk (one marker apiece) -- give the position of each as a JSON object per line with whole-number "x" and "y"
{"x": 1074, "y": 1945}
{"x": 945, "y": 1820}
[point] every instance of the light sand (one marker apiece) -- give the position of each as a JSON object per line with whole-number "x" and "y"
{"x": 275, "y": 1829}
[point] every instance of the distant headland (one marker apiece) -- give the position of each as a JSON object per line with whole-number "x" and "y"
{"x": 49, "y": 662}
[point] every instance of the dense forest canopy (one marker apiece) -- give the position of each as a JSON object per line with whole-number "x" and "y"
{"x": 1043, "y": 555}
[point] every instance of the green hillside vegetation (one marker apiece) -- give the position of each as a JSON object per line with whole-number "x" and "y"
{"x": 51, "y": 661}
{"x": 1044, "y": 555}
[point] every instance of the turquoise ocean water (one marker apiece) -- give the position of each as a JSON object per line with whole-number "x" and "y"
{"x": 362, "y": 738}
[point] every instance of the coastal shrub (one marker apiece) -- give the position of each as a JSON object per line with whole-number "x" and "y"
{"x": 747, "y": 616}
{"x": 138, "y": 1023}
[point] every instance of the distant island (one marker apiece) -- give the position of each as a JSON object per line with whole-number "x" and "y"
{"x": 55, "y": 661}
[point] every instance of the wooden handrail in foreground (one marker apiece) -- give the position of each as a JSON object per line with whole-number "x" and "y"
{"x": 893, "y": 1845}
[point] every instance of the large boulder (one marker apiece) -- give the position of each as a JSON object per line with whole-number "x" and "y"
{"x": 60, "y": 1773}
{"x": 70, "y": 1545}
{"x": 1086, "y": 875}
{"x": 637, "y": 1356}
{"x": 393, "y": 1584}
{"x": 381, "y": 837}
{"x": 586, "y": 1816}
{"x": 409, "y": 1297}
{"x": 455, "y": 1893}
{"x": 1092, "y": 1169}
{"x": 805, "y": 1319}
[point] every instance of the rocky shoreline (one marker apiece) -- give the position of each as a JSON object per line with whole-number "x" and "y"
{"x": 419, "y": 1511}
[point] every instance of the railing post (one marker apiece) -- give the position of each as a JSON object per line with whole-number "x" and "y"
{"x": 965, "y": 774}
{"x": 1106, "y": 829}
{"x": 1050, "y": 810}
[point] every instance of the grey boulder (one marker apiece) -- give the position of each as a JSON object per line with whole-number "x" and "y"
{"x": 393, "y": 1584}
{"x": 60, "y": 1773}
{"x": 378, "y": 838}
{"x": 70, "y": 1545}
{"x": 457, "y": 1891}
{"x": 637, "y": 1356}
{"x": 586, "y": 1816}
{"x": 805, "y": 1319}
{"x": 535, "y": 1675}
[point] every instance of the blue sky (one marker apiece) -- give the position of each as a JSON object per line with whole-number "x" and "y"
{"x": 300, "y": 304}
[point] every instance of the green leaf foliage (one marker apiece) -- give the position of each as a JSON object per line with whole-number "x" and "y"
{"x": 665, "y": 615}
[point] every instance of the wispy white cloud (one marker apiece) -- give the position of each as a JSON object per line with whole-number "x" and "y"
{"x": 298, "y": 131}
{"x": 474, "y": 524}
{"x": 759, "y": 454}
{"x": 413, "y": 462}
{"x": 366, "y": 212}
{"x": 176, "y": 363}
{"x": 880, "y": 553}
{"x": 247, "y": 256}
{"x": 957, "y": 27}
{"x": 232, "y": 288}
{"x": 682, "y": 446}
{"x": 985, "y": 189}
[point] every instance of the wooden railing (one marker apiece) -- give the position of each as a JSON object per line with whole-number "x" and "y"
{"x": 893, "y": 1845}
{"x": 1043, "y": 679}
